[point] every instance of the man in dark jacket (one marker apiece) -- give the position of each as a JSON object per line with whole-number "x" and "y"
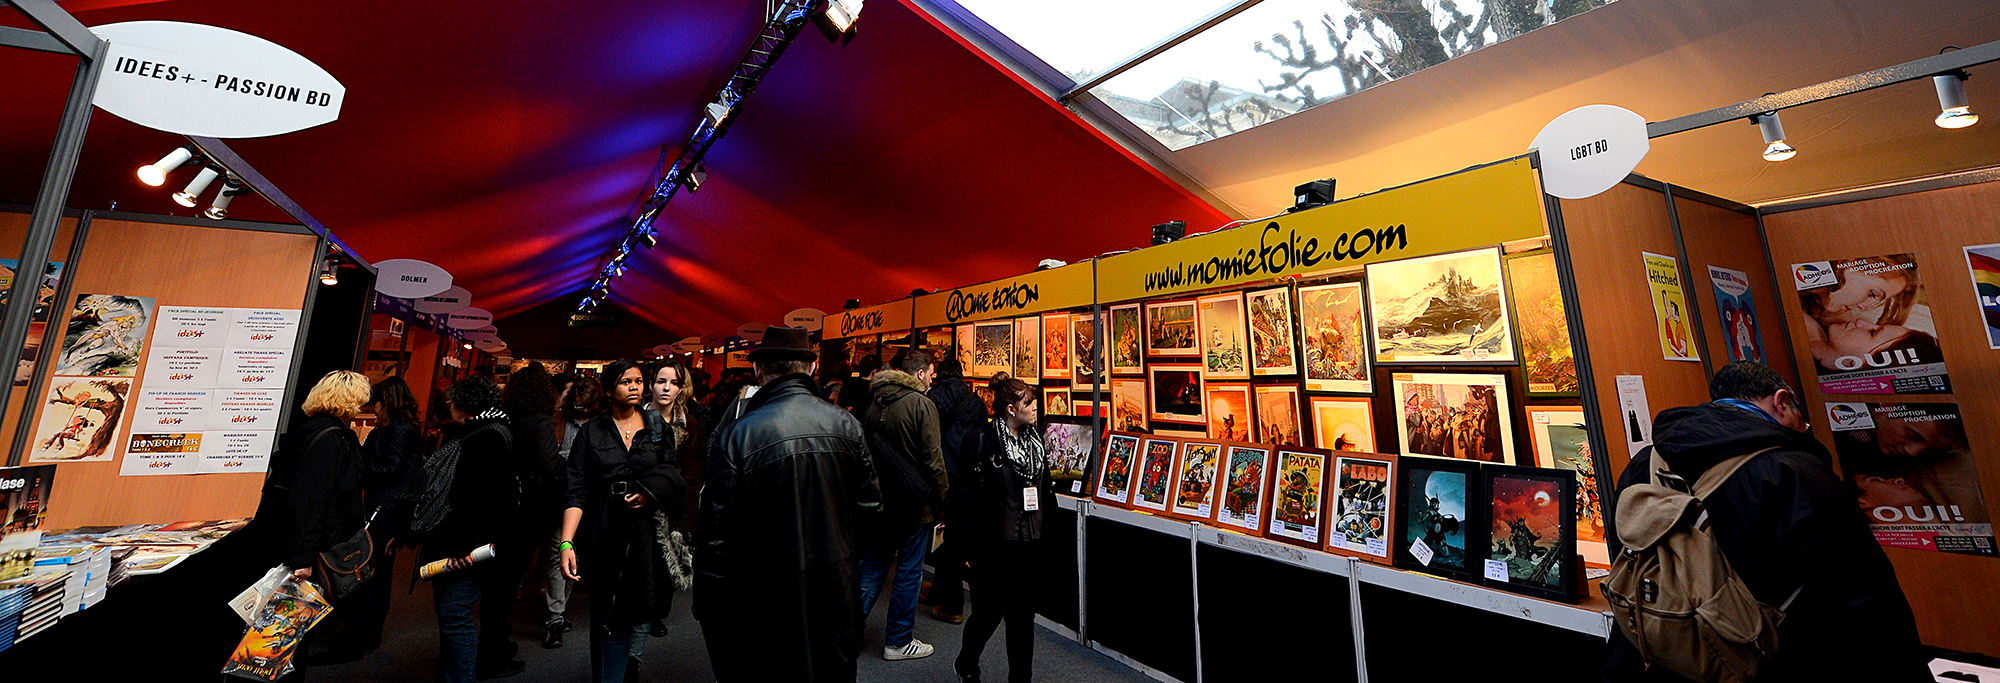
{"x": 484, "y": 507}
{"x": 1786, "y": 524}
{"x": 960, "y": 412}
{"x": 789, "y": 481}
{"x": 907, "y": 423}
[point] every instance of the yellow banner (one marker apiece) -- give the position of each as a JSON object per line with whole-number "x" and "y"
{"x": 890, "y": 317}
{"x": 1476, "y": 208}
{"x": 1043, "y": 290}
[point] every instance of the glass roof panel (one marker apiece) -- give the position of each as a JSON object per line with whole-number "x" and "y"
{"x": 1082, "y": 38}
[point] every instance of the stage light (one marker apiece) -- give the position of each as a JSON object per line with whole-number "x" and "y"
{"x": 192, "y": 195}
{"x": 1775, "y": 148}
{"x": 1169, "y": 231}
{"x": 649, "y": 238}
{"x": 837, "y": 18}
{"x": 716, "y": 112}
{"x": 155, "y": 174}
{"x": 1311, "y": 195}
{"x": 1951, "y": 98}
{"x": 696, "y": 177}
{"x": 232, "y": 187}
{"x": 329, "y": 273}
{"x": 467, "y": 345}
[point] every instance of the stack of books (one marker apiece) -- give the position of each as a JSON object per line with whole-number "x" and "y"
{"x": 46, "y": 588}
{"x": 13, "y": 601}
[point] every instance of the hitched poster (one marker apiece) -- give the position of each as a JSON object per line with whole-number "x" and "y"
{"x": 1914, "y": 475}
{"x": 1868, "y": 322}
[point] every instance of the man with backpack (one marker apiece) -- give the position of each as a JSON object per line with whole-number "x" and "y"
{"x": 903, "y": 439}
{"x": 1792, "y": 537}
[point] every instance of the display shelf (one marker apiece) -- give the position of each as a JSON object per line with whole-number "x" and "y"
{"x": 1068, "y": 502}
{"x": 1170, "y": 527}
{"x": 1281, "y": 552}
{"x": 1579, "y": 618}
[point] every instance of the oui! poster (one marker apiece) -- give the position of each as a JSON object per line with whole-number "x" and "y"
{"x": 1868, "y": 322}
{"x": 1916, "y": 481}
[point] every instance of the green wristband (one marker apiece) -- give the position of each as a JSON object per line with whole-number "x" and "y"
{"x": 565, "y": 545}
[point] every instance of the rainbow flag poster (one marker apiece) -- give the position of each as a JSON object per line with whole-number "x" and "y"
{"x": 1984, "y": 260}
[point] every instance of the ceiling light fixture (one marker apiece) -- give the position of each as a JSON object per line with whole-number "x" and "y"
{"x": 1168, "y": 232}
{"x": 1951, "y": 98}
{"x": 837, "y": 18}
{"x": 718, "y": 111}
{"x": 155, "y": 174}
{"x": 232, "y": 187}
{"x": 329, "y": 273}
{"x": 650, "y": 239}
{"x": 191, "y": 196}
{"x": 696, "y": 177}
{"x": 1775, "y": 148}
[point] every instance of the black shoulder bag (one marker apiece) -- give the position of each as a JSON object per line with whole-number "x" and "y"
{"x": 345, "y": 566}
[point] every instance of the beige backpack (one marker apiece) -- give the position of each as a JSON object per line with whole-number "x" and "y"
{"x": 1674, "y": 594}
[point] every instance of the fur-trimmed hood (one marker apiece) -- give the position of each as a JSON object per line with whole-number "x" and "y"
{"x": 888, "y": 385}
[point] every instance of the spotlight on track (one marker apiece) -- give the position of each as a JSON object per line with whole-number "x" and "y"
{"x": 232, "y": 187}
{"x": 1951, "y": 98}
{"x": 191, "y": 196}
{"x": 329, "y": 273}
{"x": 837, "y": 19}
{"x": 155, "y": 174}
{"x": 1775, "y": 148}
{"x": 716, "y": 112}
{"x": 696, "y": 177}
{"x": 649, "y": 238}
{"x": 1168, "y": 232}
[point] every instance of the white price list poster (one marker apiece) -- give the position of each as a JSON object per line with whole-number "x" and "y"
{"x": 214, "y": 390}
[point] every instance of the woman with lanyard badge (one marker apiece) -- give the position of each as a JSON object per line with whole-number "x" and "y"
{"x": 1004, "y": 529}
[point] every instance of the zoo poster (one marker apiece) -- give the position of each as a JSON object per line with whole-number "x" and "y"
{"x": 1912, "y": 468}
{"x": 1739, "y": 314}
{"x": 1670, "y": 309}
{"x": 1984, "y": 260}
{"x": 1868, "y": 323}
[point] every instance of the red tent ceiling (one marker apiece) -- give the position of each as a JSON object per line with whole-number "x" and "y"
{"x": 510, "y": 144}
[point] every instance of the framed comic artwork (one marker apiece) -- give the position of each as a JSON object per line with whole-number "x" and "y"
{"x": 1334, "y": 337}
{"x": 1070, "y": 442}
{"x": 1114, "y": 477}
{"x": 967, "y": 339}
{"x": 860, "y": 348}
{"x": 1128, "y": 406}
{"x": 1055, "y": 346}
{"x": 1548, "y": 361}
{"x": 1056, "y": 402}
{"x": 1230, "y": 416}
{"x": 1361, "y": 505}
{"x": 1242, "y": 506}
{"x": 1278, "y": 415}
{"x": 1195, "y": 472}
{"x": 1155, "y": 474}
{"x": 1343, "y": 423}
{"x": 1225, "y": 347}
{"x": 1273, "y": 338}
{"x": 1448, "y": 308}
{"x": 1028, "y": 349}
{"x": 1460, "y": 416}
{"x": 1170, "y": 329}
{"x": 1531, "y": 546}
{"x": 1087, "y": 359}
{"x": 1084, "y": 408}
{"x": 1176, "y": 394}
{"x": 1128, "y": 345}
{"x": 1562, "y": 441}
{"x": 938, "y": 343}
{"x": 1440, "y": 525}
{"x": 993, "y": 348}
{"x": 1298, "y": 505}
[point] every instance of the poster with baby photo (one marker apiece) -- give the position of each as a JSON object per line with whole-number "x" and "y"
{"x": 1868, "y": 323}
{"x": 1912, "y": 469}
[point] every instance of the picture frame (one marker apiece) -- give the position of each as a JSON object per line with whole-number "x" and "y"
{"x": 1196, "y": 469}
{"x": 1447, "y": 539}
{"x": 1153, "y": 480}
{"x": 1242, "y": 504}
{"x": 1361, "y": 504}
{"x": 1224, "y": 343}
{"x": 1084, "y": 408}
{"x": 1055, "y": 346}
{"x": 1231, "y": 416}
{"x": 938, "y": 342}
{"x": 1442, "y": 309}
{"x": 1548, "y": 360}
{"x": 1333, "y": 325}
{"x": 1274, "y": 348}
{"x": 1344, "y": 423}
{"x": 1278, "y": 415}
{"x": 1176, "y": 394}
{"x": 965, "y": 339}
{"x": 1170, "y": 329}
{"x": 993, "y": 348}
{"x": 1087, "y": 359}
{"x": 1561, "y": 440}
{"x": 864, "y": 346}
{"x": 1128, "y": 405}
{"x": 1531, "y": 531}
{"x": 1465, "y": 416}
{"x": 1298, "y": 497}
{"x": 1128, "y": 353}
{"x": 1114, "y": 473}
{"x": 1028, "y": 349}
{"x": 1070, "y": 441}
{"x": 1056, "y": 402}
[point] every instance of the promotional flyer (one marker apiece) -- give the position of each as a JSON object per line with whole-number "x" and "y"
{"x": 1670, "y": 309}
{"x": 1868, "y": 322}
{"x": 1739, "y": 314}
{"x": 1912, "y": 466}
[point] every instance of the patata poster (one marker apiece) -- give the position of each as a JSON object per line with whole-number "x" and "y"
{"x": 1670, "y": 309}
{"x": 1868, "y": 323}
{"x": 1739, "y": 314}
{"x": 1913, "y": 468}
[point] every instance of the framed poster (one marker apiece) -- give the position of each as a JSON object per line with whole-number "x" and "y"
{"x": 993, "y": 348}
{"x": 1983, "y": 263}
{"x": 1446, "y": 308}
{"x": 1531, "y": 532}
{"x": 968, "y": 339}
{"x": 1170, "y": 329}
{"x": 1128, "y": 405}
{"x": 1056, "y": 402}
{"x": 1194, "y": 480}
{"x": 1155, "y": 476}
{"x": 1242, "y": 506}
{"x": 1128, "y": 355}
{"x": 1363, "y": 513}
{"x": 1273, "y": 347}
{"x": 1177, "y": 393}
{"x": 1225, "y": 348}
{"x": 1298, "y": 481}
{"x": 1028, "y": 349}
{"x": 1335, "y": 334}
{"x": 1084, "y": 408}
{"x": 1278, "y": 415}
{"x": 1055, "y": 346}
{"x": 1087, "y": 368}
{"x": 1562, "y": 442}
{"x": 1462, "y": 416}
{"x": 1547, "y": 361}
{"x": 938, "y": 343}
{"x": 1870, "y": 326}
{"x": 1438, "y": 528}
{"x": 1070, "y": 442}
{"x": 1229, "y": 413}
{"x": 1342, "y": 423}
{"x": 1114, "y": 478}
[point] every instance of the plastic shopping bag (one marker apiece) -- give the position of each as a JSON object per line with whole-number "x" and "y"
{"x": 246, "y": 603}
{"x": 266, "y": 651}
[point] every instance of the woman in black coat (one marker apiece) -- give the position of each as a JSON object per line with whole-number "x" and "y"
{"x": 485, "y": 508}
{"x": 393, "y": 454}
{"x": 620, "y": 484}
{"x": 960, "y": 412}
{"x": 1002, "y": 523}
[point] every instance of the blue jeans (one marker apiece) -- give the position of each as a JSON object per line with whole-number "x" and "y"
{"x": 611, "y": 652}
{"x": 907, "y": 554}
{"x": 458, "y": 640}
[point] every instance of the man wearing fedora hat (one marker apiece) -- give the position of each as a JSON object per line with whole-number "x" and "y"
{"x": 777, "y": 585}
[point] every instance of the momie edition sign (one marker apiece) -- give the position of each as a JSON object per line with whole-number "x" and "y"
{"x": 207, "y": 81}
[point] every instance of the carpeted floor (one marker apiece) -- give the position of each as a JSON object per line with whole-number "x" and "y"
{"x": 409, "y": 649}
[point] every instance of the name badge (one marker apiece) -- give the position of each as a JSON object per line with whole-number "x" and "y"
{"x": 1031, "y": 499}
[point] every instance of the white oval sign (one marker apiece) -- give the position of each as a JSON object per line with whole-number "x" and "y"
{"x": 410, "y": 279}
{"x": 688, "y": 345}
{"x": 489, "y": 345}
{"x": 469, "y": 318}
{"x": 810, "y": 318}
{"x": 753, "y": 332}
{"x": 445, "y": 302}
{"x": 1590, "y": 149}
{"x": 195, "y": 79}
{"x": 714, "y": 340}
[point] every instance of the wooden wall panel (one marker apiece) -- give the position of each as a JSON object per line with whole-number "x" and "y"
{"x": 1715, "y": 236}
{"x": 1954, "y": 595}
{"x": 177, "y": 265}
{"x": 423, "y": 366}
{"x": 14, "y": 231}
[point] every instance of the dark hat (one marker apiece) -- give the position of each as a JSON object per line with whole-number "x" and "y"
{"x": 784, "y": 343}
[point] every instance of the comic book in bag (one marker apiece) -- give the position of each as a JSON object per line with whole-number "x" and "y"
{"x": 266, "y": 651}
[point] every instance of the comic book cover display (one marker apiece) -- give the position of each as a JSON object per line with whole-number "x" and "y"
{"x": 1128, "y": 405}
{"x": 1194, "y": 480}
{"x": 79, "y": 419}
{"x": 1177, "y": 395}
{"x": 1343, "y": 423}
{"x": 1868, "y": 323}
{"x": 1437, "y": 527}
{"x": 1055, "y": 346}
{"x": 1114, "y": 478}
{"x": 1128, "y": 355}
{"x": 1335, "y": 337}
{"x": 24, "y": 503}
{"x": 1455, "y": 416}
{"x": 1225, "y": 348}
{"x": 1531, "y": 531}
{"x": 1229, "y": 415}
{"x": 1670, "y": 310}
{"x": 1028, "y": 350}
{"x": 1070, "y": 443}
{"x": 993, "y": 348}
{"x": 268, "y": 646}
{"x": 1363, "y": 490}
{"x": 105, "y": 336}
{"x": 1243, "y": 485}
{"x": 1088, "y": 360}
{"x": 1562, "y": 442}
{"x": 1547, "y": 359}
{"x": 1914, "y": 470}
{"x": 1297, "y": 484}
{"x": 1170, "y": 329}
{"x": 1278, "y": 416}
{"x": 1272, "y": 347}
{"x": 1440, "y": 309}
{"x": 1155, "y": 474}
{"x": 39, "y": 322}
{"x": 1983, "y": 264}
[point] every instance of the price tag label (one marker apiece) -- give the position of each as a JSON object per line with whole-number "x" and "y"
{"x": 1378, "y": 547}
{"x": 1421, "y": 551}
{"x": 1496, "y": 570}
{"x": 1076, "y": 486}
{"x": 1031, "y": 499}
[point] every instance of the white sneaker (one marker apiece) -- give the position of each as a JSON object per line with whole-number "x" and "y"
{"x": 916, "y": 649}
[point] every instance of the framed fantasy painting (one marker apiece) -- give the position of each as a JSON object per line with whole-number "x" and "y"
{"x": 1334, "y": 334}
{"x": 1548, "y": 364}
{"x": 967, "y": 339}
{"x": 1278, "y": 415}
{"x": 1242, "y": 506}
{"x": 1028, "y": 349}
{"x": 1273, "y": 347}
{"x": 1344, "y": 423}
{"x": 1298, "y": 485}
{"x": 1128, "y": 353}
{"x": 1155, "y": 474}
{"x": 1114, "y": 477}
{"x": 1448, "y": 308}
{"x": 1461, "y": 416}
{"x": 1225, "y": 350}
{"x": 1176, "y": 394}
{"x": 1128, "y": 405}
{"x": 1055, "y": 346}
{"x": 1562, "y": 441}
{"x": 1070, "y": 443}
{"x": 1229, "y": 413}
{"x": 1362, "y": 502}
{"x": 1194, "y": 480}
{"x": 1531, "y": 545}
{"x": 993, "y": 348}
{"x": 1440, "y": 525}
{"x": 1056, "y": 402}
{"x": 1170, "y": 329}
{"x": 1087, "y": 358}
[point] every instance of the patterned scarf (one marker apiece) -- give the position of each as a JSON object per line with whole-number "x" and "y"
{"x": 1023, "y": 447}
